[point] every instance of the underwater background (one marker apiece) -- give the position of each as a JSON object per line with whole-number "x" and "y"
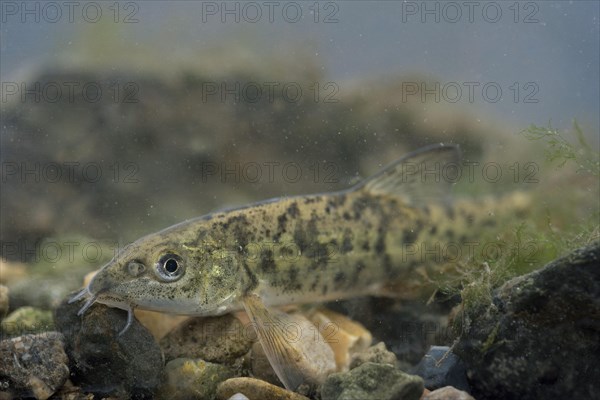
{"x": 119, "y": 119}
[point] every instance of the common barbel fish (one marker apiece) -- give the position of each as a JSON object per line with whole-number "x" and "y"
{"x": 292, "y": 250}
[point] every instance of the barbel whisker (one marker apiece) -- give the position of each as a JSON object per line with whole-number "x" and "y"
{"x": 129, "y": 320}
{"x": 81, "y": 294}
{"x": 87, "y": 304}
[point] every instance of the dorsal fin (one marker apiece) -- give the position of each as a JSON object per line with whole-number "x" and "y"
{"x": 419, "y": 177}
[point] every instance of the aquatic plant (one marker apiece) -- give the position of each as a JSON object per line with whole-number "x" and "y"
{"x": 554, "y": 227}
{"x": 559, "y": 148}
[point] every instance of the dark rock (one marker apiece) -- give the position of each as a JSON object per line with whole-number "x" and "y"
{"x": 4, "y": 304}
{"x": 440, "y": 367}
{"x": 372, "y": 381}
{"x": 408, "y": 328}
{"x": 218, "y": 339}
{"x": 104, "y": 363}
{"x": 33, "y": 365}
{"x": 540, "y": 336}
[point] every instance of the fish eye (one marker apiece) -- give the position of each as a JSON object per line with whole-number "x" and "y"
{"x": 170, "y": 267}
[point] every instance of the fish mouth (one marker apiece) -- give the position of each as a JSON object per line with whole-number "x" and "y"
{"x": 93, "y": 298}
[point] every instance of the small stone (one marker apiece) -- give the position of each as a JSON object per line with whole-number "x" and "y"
{"x": 440, "y": 367}
{"x": 238, "y": 396}
{"x": 187, "y": 378}
{"x": 48, "y": 282}
{"x": 216, "y": 339}
{"x": 11, "y": 271}
{"x": 88, "y": 277}
{"x": 372, "y": 381}
{"x": 345, "y": 336}
{"x": 317, "y": 360}
{"x": 33, "y": 365}
{"x": 338, "y": 333}
{"x": 4, "y": 304}
{"x": 27, "y": 320}
{"x": 378, "y": 354}
{"x": 255, "y": 389}
{"x": 40, "y": 291}
{"x": 71, "y": 392}
{"x": 448, "y": 393}
{"x": 104, "y": 362}
{"x": 261, "y": 367}
{"x": 159, "y": 324}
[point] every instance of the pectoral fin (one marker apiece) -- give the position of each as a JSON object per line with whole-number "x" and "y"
{"x": 295, "y": 348}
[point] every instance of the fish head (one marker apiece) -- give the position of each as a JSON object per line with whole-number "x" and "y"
{"x": 170, "y": 272}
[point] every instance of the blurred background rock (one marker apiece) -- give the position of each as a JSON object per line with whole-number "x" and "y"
{"x": 158, "y": 146}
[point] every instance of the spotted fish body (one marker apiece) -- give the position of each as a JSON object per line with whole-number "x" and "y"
{"x": 293, "y": 250}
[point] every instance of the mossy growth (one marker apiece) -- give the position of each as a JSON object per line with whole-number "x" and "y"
{"x": 27, "y": 320}
{"x": 559, "y": 148}
{"x": 559, "y": 221}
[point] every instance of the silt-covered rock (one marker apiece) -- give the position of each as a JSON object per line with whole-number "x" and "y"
{"x": 372, "y": 381}
{"x": 33, "y": 365}
{"x": 539, "y": 339}
{"x": 187, "y": 378}
{"x": 216, "y": 339}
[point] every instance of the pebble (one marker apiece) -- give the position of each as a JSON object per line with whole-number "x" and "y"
{"x": 448, "y": 393}
{"x": 27, "y": 320}
{"x": 238, "y": 396}
{"x": 88, "y": 277}
{"x": 46, "y": 283}
{"x": 11, "y": 271}
{"x": 440, "y": 367}
{"x": 318, "y": 360}
{"x": 33, "y": 365}
{"x": 408, "y": 328}
{"x": 255, "y": 389}
{"x": 159, "y": 324}
{"x": 372, "y": 381}
{"x": 71, "y": 392}
{"x": 345, "y": 336}
{"x": 261, "y": 367}
{"x": 41, "y": 291}
{"x": 377, "y": 354}
{"x": 104, "y": 363}
{"x": 186, "y": 378}
{"x": 4, "y": 304}
{"x": 216, "y": 339}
